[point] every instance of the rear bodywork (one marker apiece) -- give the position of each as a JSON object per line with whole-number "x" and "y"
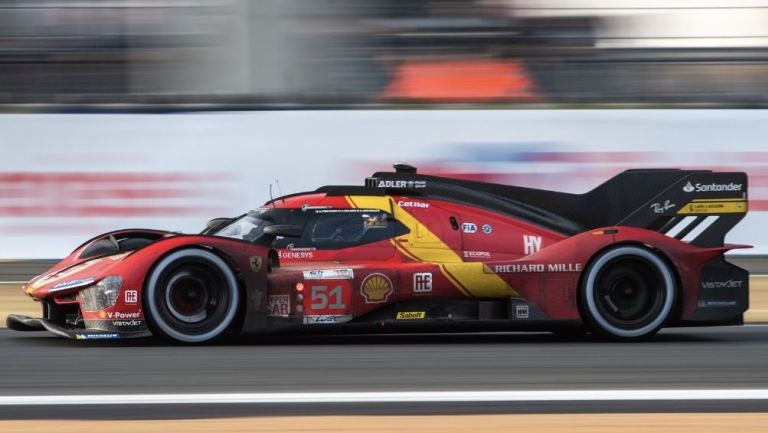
{"x": 426, "y": 252}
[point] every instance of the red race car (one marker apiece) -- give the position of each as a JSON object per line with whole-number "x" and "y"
{"x": 407, "y": 251}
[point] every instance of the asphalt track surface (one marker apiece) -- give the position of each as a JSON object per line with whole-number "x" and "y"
{"x": 34, "y": 364}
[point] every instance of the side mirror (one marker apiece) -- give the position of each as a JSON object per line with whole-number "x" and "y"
{"x": 215, "y": 223}
{"x": 285, "y": 230}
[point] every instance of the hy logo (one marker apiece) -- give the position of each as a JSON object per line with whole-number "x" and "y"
{"x": 688, "y": 187}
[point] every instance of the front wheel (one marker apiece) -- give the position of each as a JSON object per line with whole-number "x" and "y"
{"x": 628, "y": 293}
{"x": 191, "y": 296}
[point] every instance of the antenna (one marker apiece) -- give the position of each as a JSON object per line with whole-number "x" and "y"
{"x": 279, "y": 190}
{"x": 271, "y": 200}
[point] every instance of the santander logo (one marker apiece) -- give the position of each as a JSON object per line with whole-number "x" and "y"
{"x": 688, "y": 187}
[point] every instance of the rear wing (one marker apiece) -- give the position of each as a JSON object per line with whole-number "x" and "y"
{"x": 698, "y": 207}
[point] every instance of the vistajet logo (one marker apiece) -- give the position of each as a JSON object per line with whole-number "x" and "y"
{"x": 713, "y": 187}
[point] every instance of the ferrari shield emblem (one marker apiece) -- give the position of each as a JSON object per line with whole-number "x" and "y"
{"x": 255, "y": 263}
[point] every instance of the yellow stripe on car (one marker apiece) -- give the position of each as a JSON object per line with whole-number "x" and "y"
{"x": 473, "y": 279}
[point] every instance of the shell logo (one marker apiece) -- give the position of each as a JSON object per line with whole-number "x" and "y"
{"x": 376, "y": 288}
{"x": 102, "y": 314}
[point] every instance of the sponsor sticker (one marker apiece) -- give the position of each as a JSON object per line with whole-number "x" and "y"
{"x": 537, "y": 267}
{"x": 662, "y": 207}
{"x": 295, "y": 254}
{"x": 326, "y": 318}
{"x": 531, "y": 244}
{"x": 422, "y": 282}
{"x": 131, "y": 296}
{"x": 487, "y": 229}
{"x": 712, "y": 187}
{"x": 717, "y": 304}
{"x": 469, "y": 227}
{"x": 730, "y": 284}
{"x": 410, "y": 184}
{"x": 376, "y": 288}
{"x": 413, "y": 204}
{"x": 329, "y": 274}
{"x": 110, "y": 336}
{"x": 521, "y": 312}
{"x": 127, "y": 323}
{"x": 473, "y": 254}
{"x": 411, "y": 315}
{"x": 122, "y": 315}
{"x": 716, "y": 206}
{"x": 279, "y": 305}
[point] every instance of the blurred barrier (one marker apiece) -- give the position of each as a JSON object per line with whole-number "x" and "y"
{"x": 348, "y": 51}
{"x": 67, "y": 177}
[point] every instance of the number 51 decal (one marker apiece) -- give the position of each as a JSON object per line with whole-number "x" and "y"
{"x": 326, "y": 298}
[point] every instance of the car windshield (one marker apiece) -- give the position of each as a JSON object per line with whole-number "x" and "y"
{"x": 250, "y": 227}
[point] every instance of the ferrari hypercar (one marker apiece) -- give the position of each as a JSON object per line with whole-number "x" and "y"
{"x": 405, "y": 251}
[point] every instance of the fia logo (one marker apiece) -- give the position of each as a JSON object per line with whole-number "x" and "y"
{"x": 131, "y": 296}
{"x": 531, "y": 244}
{"x": 688, "y": 187}
{"x": 469, "y": 227}
{"x": 422, "y": 282}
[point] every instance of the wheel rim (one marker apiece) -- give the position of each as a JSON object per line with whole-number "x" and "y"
{"x": 189, "y": 297}
{"x": 629, "y": 291}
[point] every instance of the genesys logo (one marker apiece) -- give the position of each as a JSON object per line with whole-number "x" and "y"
{"x": 712, "y": 187}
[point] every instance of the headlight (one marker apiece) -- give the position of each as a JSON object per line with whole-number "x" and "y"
{"x": 103, "y": 294}
{"x": 71, "y": 284}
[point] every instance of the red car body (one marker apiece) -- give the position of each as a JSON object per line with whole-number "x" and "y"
{"x": 408, "y": 251}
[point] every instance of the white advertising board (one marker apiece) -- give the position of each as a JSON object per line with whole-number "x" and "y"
{"x": 67, "y": 177}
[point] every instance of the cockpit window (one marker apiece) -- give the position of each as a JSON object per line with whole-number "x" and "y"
{"x": 347, "y": 228}
{"x": 323, "y": 228}
{"x": 250, "y": 227}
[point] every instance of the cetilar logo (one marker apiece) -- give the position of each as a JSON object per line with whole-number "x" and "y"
{"x": 688, "y": 187}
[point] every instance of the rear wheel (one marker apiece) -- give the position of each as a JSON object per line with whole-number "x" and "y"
{"x": 628, "y": 293}
{"x": 191, "y": 296}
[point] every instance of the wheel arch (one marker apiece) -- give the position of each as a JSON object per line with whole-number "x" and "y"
{"x": 676, "y": 312}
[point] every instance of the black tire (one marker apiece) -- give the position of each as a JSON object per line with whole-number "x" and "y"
{"x": 628, "y": 293}
{"x": 191, "y": 296}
